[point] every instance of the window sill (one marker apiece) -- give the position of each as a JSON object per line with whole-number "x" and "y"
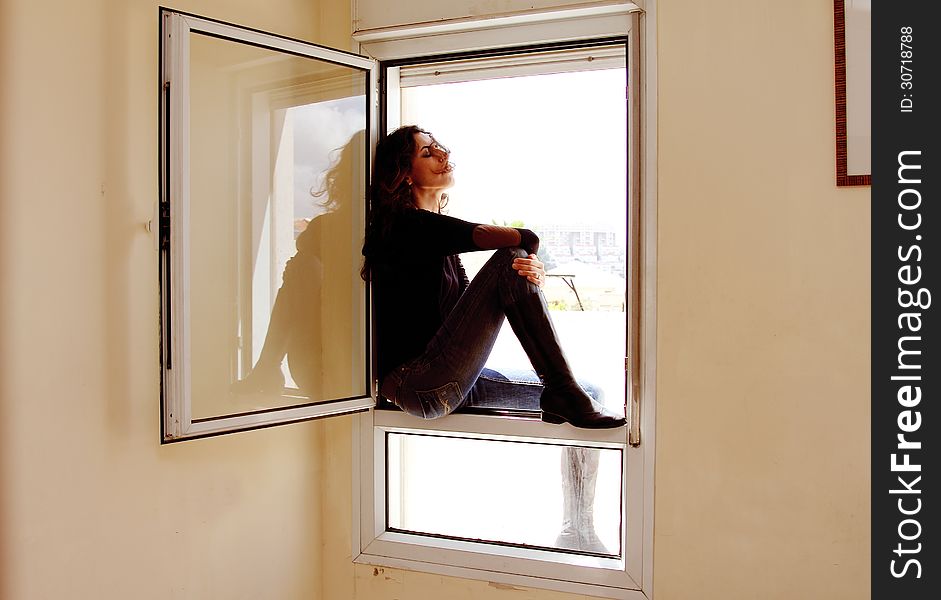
{"x": 549, "y": 582}
{"x": 511, "y": 428}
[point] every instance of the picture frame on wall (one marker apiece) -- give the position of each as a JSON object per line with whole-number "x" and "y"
{"x": 852, "y": 20}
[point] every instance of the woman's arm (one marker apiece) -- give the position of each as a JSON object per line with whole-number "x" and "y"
{"x": 423, "y": 231}
{"x": 488, "y": 237}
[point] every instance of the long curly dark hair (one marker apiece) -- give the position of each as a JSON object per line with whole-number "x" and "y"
{"x": 347, "y": 164}
{"x": 389, "y": 190}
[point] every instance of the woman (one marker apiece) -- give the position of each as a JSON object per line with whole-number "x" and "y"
{"x": 435, "y": 329}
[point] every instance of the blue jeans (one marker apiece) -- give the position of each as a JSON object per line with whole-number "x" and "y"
{"x": 449, "y": 374}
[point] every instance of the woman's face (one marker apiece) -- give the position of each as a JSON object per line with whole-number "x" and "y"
{"x": 430, "y": 166}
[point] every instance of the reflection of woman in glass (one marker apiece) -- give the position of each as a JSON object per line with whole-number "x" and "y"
{"x": 296, "y": 324}
{"x": 436, "y": 329}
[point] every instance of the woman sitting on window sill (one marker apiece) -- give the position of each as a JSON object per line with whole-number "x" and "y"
{"x": 436, "y": 329}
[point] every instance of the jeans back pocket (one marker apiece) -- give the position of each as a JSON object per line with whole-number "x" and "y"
{"x": 440, "y": 401}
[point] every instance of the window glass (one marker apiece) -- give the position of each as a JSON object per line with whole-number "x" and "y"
{"x": 532, "y": 494}
{"x": 547, "y": 152}
{"x": 276, "y": 306}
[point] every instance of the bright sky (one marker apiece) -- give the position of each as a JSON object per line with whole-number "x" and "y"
{"x": 322, "y": 129}
{"x": 543, "y": 149}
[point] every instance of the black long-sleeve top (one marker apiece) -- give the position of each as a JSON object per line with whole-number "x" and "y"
{"x": 417, "y": 280}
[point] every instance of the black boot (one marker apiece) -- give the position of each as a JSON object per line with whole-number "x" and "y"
{"x": 562, "y": 399}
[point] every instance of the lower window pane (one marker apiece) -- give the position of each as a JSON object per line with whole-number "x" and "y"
{"x": 520, "y": 493}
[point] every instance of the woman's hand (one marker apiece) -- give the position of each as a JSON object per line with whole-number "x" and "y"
{"x": 531, "y": 268}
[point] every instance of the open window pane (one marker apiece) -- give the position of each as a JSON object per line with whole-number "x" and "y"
{"x": 277, "y": 177}
{"x": 264, "y": 309}
{"x": 522, "y": 493}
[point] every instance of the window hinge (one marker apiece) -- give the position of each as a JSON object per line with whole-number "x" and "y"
{"x": 164, "y": 225}
{"x": 163, "y": 236}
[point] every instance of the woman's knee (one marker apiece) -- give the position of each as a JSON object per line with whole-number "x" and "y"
{"x": 506, "y": 256}
{"x": 503, "y": 261}
{"x": 514, "y": 252}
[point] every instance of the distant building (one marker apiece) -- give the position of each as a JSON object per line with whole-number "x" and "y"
{"x": 598, "y": 245}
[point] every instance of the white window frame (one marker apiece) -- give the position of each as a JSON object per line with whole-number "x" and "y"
{"x": 630, "y": 577}
{"x": 174, "y": 227}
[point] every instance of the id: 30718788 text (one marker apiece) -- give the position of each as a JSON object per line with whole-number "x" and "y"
{"x": 906, "y": 75}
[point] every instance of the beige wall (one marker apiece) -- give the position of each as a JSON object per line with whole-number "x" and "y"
{"x": 91, "y": 505}
{"x": 762, "y": 441}
{"x": 762, "y": 486}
